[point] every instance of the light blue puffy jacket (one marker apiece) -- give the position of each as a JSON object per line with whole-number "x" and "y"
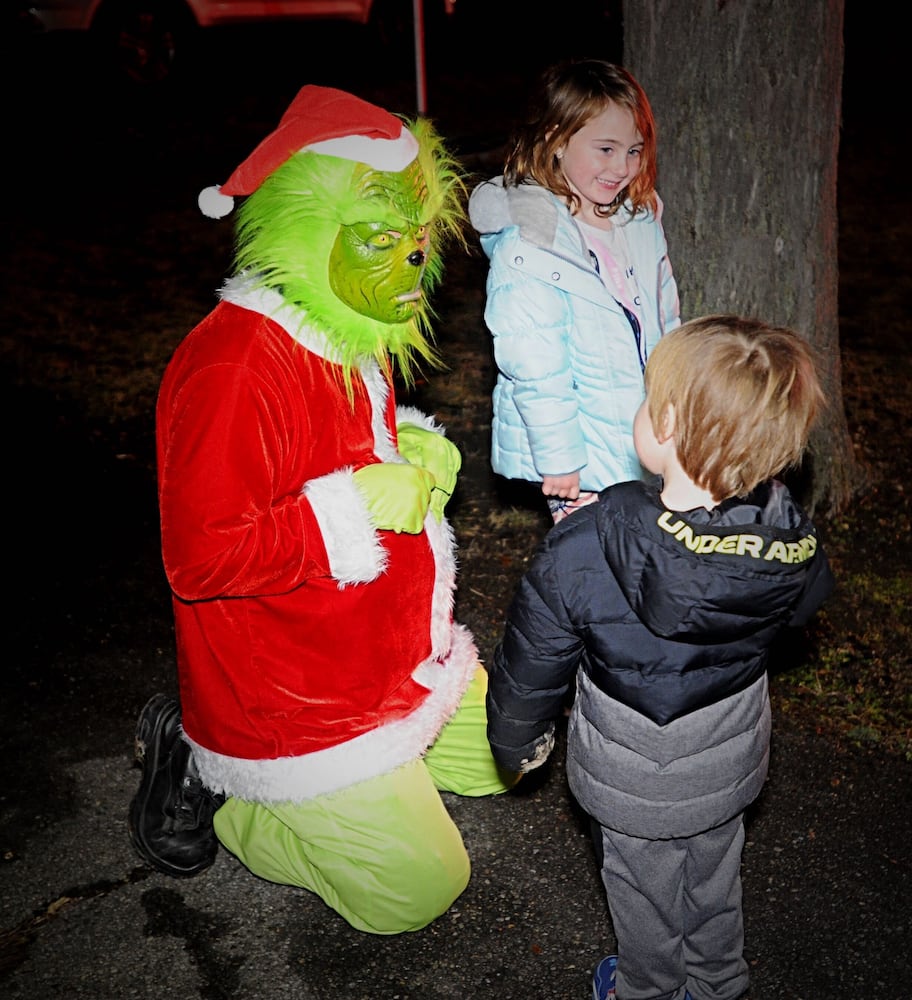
{"x": 570, "y": 375}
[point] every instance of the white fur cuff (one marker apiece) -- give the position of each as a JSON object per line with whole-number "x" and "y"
{"x": 355, "y": 552}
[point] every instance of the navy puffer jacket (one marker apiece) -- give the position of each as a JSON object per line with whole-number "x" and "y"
{"x": 668, "y": 618}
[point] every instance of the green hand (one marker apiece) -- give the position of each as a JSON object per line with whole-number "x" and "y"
{"x": 397, "y": 495}
{"x": 432, "y": 451}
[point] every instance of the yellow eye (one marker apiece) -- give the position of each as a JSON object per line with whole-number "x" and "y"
{"x": 384, "y": 239}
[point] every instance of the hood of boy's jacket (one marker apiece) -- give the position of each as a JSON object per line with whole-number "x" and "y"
{"x": 712, "y": 575}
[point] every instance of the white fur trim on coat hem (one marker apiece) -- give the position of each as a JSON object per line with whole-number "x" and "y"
{"x": 299, "y": 779}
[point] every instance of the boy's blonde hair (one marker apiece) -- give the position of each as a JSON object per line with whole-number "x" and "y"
{"x": 570, "y": 94}
{"x": 745, "y": 396}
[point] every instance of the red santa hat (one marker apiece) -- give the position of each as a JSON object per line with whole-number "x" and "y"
{"x": 324, "y": 120}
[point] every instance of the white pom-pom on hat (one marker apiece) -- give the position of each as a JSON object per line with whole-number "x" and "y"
{"x": 214, "y": 204}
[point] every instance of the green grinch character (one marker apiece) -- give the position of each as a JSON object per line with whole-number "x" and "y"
{"x": 326, "y": 693}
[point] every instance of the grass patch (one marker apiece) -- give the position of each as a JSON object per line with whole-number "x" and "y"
{"x": 857, "y": 677}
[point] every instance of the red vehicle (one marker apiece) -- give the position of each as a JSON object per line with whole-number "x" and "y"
{"x": 145, "y": 39}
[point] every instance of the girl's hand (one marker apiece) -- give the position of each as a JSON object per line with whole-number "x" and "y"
{"x": 566, "y": 487}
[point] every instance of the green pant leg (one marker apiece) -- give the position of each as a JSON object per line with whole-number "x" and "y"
{"x": 460, "y": 759}
{"x": 384, "y": 853}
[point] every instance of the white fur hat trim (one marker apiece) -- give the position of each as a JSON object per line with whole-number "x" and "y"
{"x": 381, "y": 154}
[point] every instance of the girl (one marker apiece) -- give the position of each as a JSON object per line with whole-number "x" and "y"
{"x": 579, "y": 288}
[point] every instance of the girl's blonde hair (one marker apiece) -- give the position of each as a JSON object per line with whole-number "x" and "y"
{"x": 570, "y": 94}
{"x": 745, "y": 396}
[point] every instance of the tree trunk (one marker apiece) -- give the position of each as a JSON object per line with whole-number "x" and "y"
{"x": 747, "y": 97}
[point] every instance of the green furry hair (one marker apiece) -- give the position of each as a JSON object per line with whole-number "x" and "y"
{"x": 287, "y": 228}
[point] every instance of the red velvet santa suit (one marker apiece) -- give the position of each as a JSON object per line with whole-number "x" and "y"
{"x": 341, "y": 661}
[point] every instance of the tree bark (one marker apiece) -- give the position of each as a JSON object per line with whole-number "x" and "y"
{"x": 747, "y": 96}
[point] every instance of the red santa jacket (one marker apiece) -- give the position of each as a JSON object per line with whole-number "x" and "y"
{"x": 313, "y": 651}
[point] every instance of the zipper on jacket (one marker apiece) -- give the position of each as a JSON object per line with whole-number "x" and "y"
{"x": 631, "y": 318}
{"x": 637, "y": 335}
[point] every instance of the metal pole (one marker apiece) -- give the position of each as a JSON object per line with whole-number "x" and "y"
{"x": 420, "y": 78}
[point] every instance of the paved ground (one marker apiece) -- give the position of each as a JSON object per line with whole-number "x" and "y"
{"x": 828, "y": 866}
{"x": 826, "y": 878}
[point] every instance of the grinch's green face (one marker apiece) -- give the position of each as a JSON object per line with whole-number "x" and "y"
{"x": 378, "y": 259}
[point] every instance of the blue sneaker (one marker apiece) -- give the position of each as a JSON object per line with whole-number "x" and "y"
{"x": 603, "y": 978}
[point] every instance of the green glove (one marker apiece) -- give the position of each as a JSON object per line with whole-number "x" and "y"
{"x": 432, "y": 451}
{"x": 397, "y": 495}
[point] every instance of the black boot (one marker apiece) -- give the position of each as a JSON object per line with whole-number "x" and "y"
{"x": 171, "y": 815}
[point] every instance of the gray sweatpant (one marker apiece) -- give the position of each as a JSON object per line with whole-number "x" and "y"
{"x": 676, "y": 909}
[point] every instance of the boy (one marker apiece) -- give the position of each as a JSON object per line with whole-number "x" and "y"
{"x": 660, "y": 602}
